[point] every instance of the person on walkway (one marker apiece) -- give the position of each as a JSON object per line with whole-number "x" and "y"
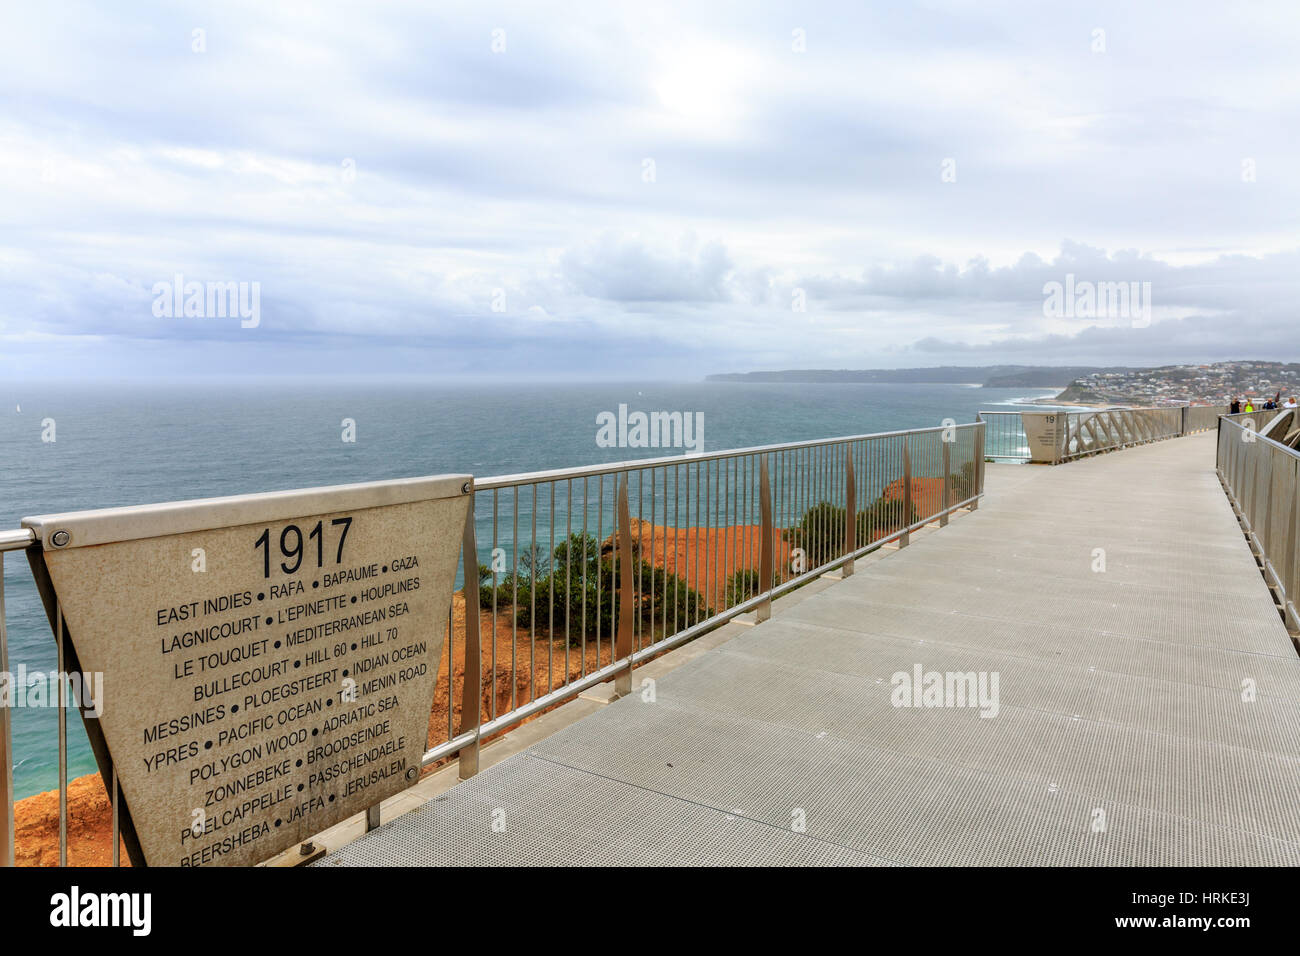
{"x": 1290, "y": 403}
{"x": 1250, "y": 406}
{"x": 1235, "y": 407}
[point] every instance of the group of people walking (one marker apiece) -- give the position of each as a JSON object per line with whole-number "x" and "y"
{"x": 1247, "y": 405}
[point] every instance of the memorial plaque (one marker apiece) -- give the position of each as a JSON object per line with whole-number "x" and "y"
{"x": 268, "y": 661}
{"x": 1043, "y": 435}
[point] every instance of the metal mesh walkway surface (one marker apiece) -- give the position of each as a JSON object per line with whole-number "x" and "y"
{"x": 1147, "y": 713}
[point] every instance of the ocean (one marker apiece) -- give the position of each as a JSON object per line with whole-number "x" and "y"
{"x": 126, "y": 445}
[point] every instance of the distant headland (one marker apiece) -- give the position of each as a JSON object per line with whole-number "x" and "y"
{"x": 990, "y": 376}
{"x": 1213, "y": 383}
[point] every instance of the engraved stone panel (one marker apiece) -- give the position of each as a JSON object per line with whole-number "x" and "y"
{"x": 268, "y": 661}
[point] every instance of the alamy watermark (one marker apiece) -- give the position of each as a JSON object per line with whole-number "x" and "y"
{"x": 177, "y": 299}
{"x": 922, "y": 688}
{"x": 1083, "y": 299}
{"x": 41, "y": 689}
{"x": 650, "y": 430}
{"x": 75, "y": 908}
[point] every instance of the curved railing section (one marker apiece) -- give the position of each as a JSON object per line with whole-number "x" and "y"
{"x": 1053, "y": 436}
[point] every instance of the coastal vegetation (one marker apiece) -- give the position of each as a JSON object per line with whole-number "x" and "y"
{"x": 574, "y": 590}
{"x": 820, "y": 532}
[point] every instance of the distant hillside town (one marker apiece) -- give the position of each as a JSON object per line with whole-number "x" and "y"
{"x": 990, "y": 376}
{"x": 1215, "y": 384}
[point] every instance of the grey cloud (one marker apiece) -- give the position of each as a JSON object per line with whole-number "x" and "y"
{"x": 627, "y": 270}
{"x": 521, "y": 172}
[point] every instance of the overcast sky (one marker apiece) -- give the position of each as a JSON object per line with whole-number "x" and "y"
{"x": 639, "y": 189}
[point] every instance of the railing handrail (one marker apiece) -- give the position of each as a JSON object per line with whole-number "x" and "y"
{"x": 21, "y": 538}
{"x": 17, "y": 540}
{"x": 1075, "y": 409}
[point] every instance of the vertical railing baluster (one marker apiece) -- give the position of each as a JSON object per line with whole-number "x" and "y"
{"x": 691, "y": 555}
{"x": 550, "y": 602}
{"x": 947, "y": 467}
{"x": 568, "y": 574}
{"x": 677, "y": 539}
{"x": 623, "y": 648}
{"x": 496, "y": 501}
{"x": 63, "y": 739}
{"x": 582, "y": 623}
{"x": 472, "y": 689}
{"x": 451, "y": 662}
{"x": 766, "y": 545}
{"x": 654, "y": 511}
{"x": 850, "y": 509}
{"x": 600, "y": 543}
{"x": 532, "y": 598}
{"x": 906, "y": 538}
{"x": 514, "y": 601}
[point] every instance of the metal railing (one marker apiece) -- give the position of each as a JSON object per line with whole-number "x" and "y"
{"x": 574, "y": 577}
{"x": 1202, "y": 418}
{"x": 1006, "y": 439}
{"x": 705, "y": 538}
{"x": 1262, "y": 480}
{"x": 1261, "y": 419}
{"x": 1078, "y": 433}
{"x": 1090, "y": 432}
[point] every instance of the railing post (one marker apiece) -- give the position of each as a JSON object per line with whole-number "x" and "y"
{"x": 947, "y": 467}
{"x": 978, "y": 470}
{"x": 906, "y": 539}
{"x": 63, "y": 737}
{"x": 6, "y": 743}
{"x": 471, "y": 701}
{"x": 850, "y": 510}
{"x": 766, "y": 559}
{"x": 623, "y": 646}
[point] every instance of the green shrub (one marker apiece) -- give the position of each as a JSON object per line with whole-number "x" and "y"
{"x": 579, "y": 592}
{"x": 820, "y": 532}
{"x": 744, "y": 584}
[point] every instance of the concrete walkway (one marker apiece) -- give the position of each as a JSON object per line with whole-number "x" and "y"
{"x": 1121, "y": 735}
